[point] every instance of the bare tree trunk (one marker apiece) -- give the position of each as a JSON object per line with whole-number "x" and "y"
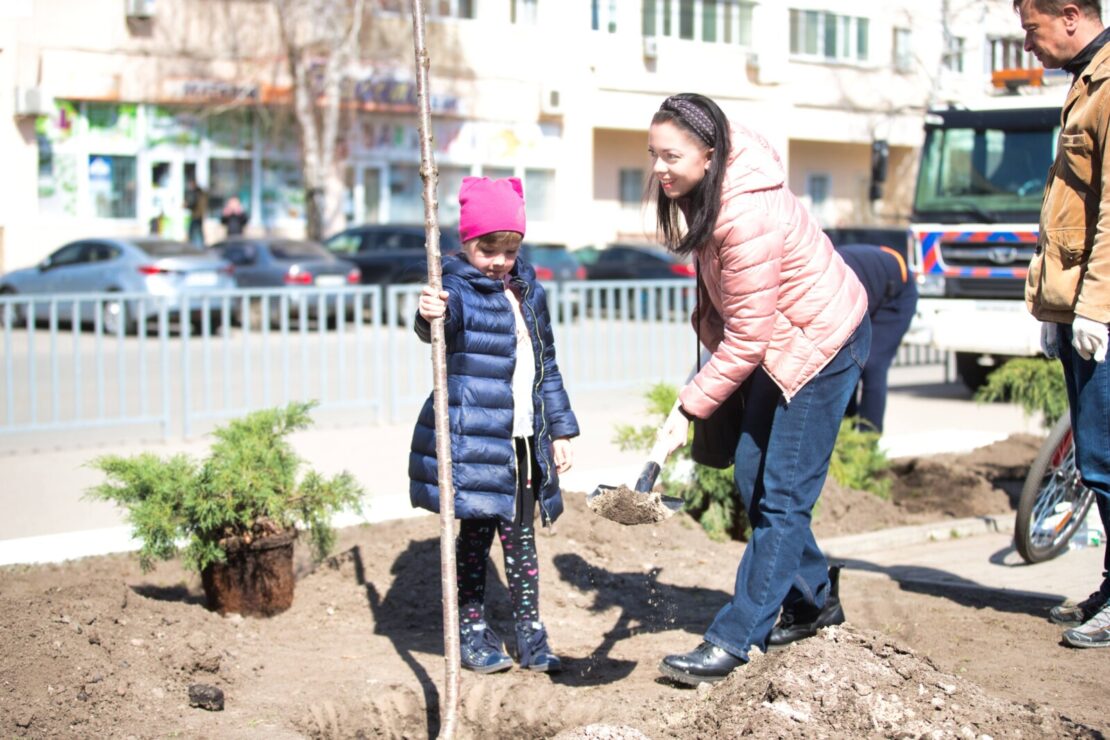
{"x": 449, "y": 704}
{"x": 318, "y": 106}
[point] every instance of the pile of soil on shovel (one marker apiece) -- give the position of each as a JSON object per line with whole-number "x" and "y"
{"x": 96, "y": 648}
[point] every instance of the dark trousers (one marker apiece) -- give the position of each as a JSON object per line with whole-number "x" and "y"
{"x": 888, "y": 326}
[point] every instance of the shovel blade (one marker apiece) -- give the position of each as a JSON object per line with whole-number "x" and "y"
{"x": 623, "y": 505}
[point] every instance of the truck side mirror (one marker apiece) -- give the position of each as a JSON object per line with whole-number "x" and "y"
{"x": 880, "y": 158}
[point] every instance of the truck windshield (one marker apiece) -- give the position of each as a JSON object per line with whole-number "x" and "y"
{"x": 985, "y": 166}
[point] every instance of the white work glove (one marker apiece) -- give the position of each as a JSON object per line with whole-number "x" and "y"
{"x": 1048, "y": 340}
{"x": 1089, "y": 338}
{"x": 674, "y": 432}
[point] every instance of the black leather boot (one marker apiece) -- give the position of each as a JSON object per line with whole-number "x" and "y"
{"x": 794, "y": 625}
{"x": 706, "y": 663}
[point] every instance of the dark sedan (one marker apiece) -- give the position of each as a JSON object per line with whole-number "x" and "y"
{"x": 278, "y": 263}
{"x": 387, "y": 254}
{"x": 640, "y": 262}
{"x": 637, "y": 262}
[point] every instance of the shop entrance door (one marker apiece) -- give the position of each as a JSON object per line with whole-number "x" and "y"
{"x": 364, "y": 183}
{"x": 162, "y": 194}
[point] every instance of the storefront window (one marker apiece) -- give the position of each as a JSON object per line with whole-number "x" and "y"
{"x": 406, "y": 193}
{"x": 497, "y": 173}
{"x": 232, "y": 130}
{"x": 112, "y": 186}
{"x": 111, "y": 118}
{"x": 539, "y": 193}
{"x": 228, "y": 177}
{"x": 450, "y": 179}
{"x": 174, "y": 126}
{"x": 406, "y": 203}
{"x": 282, "y": 192}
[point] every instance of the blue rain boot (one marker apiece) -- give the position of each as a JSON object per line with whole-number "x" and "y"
{"x": 481, "y": 650}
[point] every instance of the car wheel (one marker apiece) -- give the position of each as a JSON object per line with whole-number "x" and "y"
{"x": 970, "y": 371}
{"x": 17, "y": 312}
{"x": 114, "y": 315}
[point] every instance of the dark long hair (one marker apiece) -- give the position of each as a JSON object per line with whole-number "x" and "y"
{"x": 705, "y": 121}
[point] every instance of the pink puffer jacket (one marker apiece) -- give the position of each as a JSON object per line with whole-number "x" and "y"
{"x": 775, "y": 292}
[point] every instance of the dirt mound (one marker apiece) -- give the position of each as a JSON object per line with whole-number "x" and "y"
{"x": 851, "y": 683}
{"x": 96, "y": 648}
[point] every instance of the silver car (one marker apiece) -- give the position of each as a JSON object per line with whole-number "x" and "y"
{"x": 145, "y": 271}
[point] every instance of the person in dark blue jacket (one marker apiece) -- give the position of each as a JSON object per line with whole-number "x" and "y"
{"x": 510, "y": 419}
{"x": 891, "y": 303}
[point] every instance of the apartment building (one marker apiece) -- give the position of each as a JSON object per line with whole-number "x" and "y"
{"x": 116, "y": 105}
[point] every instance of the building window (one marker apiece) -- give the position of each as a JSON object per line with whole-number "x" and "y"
{"x": 497, "y": 173}
{"x": 712, "y": 21}
{"x": 903, "y": 56}
{"x": 603, "y": 15}
{"x": 539, "y": 192}
{"x": 435, "y": 8}
{"x": 523, "y": 11}
{"x": 818, "y": 188}
{"x": 631, "y": 186}
{"x": 954, "y": 54}
{"x": 228, "y": 177}
{"x": 829, "y": 36}
{"x": 1008, "y": 53}
{"x": 112, "y": 186}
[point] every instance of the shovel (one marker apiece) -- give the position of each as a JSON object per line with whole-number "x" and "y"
{"x": 639, "y": 505}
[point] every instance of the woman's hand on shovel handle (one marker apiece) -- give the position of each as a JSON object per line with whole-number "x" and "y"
{"x": 432, "y": 306}
{"x": 674, "y": 432}
{"x": 564, "y": 454}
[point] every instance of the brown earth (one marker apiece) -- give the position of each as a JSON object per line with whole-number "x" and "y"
{"x": 95, "y": 648}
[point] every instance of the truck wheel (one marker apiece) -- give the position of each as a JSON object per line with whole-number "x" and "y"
{"x": 970, "y": 371}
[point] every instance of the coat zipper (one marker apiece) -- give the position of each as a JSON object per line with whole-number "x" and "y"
{"x": 525, "y": 291}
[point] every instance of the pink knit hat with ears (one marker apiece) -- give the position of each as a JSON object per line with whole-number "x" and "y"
{"x": 487, "y": 205}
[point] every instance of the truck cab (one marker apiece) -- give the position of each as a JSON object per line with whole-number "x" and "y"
{"x": 975, "y": 220}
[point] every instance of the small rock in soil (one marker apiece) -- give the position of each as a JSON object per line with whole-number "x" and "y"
{"x": 206, "y": 697}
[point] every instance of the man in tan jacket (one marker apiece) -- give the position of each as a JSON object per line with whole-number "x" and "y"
{"x": 1068, "y": 287}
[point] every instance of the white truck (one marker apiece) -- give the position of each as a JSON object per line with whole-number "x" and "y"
{"x": 975, "y": 218}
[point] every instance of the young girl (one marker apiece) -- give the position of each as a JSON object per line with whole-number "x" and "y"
{"x": 783, "y": 309}
{"x": 511, "y": 420}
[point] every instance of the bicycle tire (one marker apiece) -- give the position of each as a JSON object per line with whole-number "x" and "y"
{"x": 1053, "y": 500}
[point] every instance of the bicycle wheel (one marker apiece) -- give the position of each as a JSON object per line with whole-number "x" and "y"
{"x": 1053, "y": 501}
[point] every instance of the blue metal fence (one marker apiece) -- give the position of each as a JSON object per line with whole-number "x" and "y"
{"x": 72, "y": 363}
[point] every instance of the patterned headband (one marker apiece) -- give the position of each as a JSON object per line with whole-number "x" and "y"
{"x": 692, "y": 115}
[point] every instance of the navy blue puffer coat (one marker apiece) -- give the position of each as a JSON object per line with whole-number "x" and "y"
{"x": 480, "y": 331}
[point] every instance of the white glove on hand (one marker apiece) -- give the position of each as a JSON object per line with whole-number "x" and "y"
{"x": 674, "y": 432}
{"x": 1089, "y": 338}
{"x": 1048, "y": 340}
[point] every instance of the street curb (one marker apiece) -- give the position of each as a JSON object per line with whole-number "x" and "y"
{"x": 856, "y": 544}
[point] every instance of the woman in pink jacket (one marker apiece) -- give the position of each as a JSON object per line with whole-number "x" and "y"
{"x": 783, "y": 314}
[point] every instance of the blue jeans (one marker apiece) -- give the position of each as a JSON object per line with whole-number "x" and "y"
{"x": 781, "y": 463}
{"x": 1088, "y": 384}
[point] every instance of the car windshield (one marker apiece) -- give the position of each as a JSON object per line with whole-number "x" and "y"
{"x": 167, "y": 248}
{"x": 297, "y": 250}
{"x": 986, "y": 167}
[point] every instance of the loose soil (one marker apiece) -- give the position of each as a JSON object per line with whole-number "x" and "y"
{"x": 96, "y": 648}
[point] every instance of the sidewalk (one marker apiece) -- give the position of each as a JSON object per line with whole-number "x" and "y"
{"x": 46, "y": 519}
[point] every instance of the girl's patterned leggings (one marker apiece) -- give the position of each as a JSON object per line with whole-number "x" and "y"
{"x": 518, "y": 543}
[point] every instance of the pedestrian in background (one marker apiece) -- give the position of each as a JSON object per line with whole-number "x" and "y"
{"x": 777, "y": 306}
{"x": 510, "y": 419}
{"x": 1068, "y": 286}
{"x": 233, "y": 217}
{"x": 196, "y": 203}
{"x": 891, "y": 304}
